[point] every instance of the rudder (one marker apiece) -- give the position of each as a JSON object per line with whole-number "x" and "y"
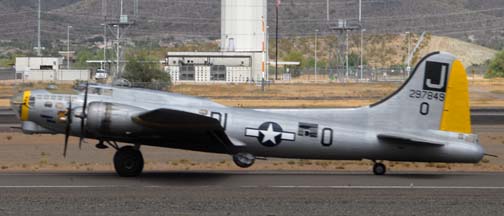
{"x": 435, "y": 96}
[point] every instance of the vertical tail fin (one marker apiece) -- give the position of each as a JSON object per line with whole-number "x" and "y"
{"x": 435, "y": 96}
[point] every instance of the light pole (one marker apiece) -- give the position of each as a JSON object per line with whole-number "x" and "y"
{"x": 346, "y": 55}
{"x": 362, "y": 53}
{"x": 316, "y": 42}
{"x": 118, "y": 50}
{"x": 68, "y": 46}
{"x": 361, "y": 38}
{"x": 39, "y": 47}
{"x": 104, "y": 44}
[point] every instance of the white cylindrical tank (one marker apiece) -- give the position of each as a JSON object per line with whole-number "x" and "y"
{"x": 243, "y": 23}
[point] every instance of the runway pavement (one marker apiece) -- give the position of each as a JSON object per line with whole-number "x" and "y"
{"x": 252, "y": 193}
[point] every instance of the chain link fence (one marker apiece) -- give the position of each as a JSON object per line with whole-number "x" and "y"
{"x": 341, "y": 74}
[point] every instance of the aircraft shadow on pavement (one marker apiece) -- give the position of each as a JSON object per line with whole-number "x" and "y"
{"x": 184, "y": 178}
{"x": 174, "y": 178}
{"x": 440, "y": 175}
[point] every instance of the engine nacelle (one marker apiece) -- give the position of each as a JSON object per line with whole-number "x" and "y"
{"x": 109, "y": 119}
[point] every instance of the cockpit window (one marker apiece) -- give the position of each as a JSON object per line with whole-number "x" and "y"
{"x": 31, "y": 102}
{"x": 48, "y": 104}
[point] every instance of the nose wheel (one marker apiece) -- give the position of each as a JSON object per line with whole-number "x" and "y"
{"x": 128, "y": 162}
{"x": 379, "y": 169}
{"x": 244, "y": 160}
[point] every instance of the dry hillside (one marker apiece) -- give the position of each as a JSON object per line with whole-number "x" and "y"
{"x": 473, "y": 20}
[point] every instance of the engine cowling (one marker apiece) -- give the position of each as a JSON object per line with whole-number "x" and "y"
{"x": 110, "y": 119}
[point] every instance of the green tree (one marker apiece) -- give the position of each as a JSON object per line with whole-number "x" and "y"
{"x": 10, "y": 59}
{"x": 82, "y": 56}
{"x": 310, "y": 63}
{"x": 354, "y": 60}
{"x": 496, "y": 67}
{"x": 295, "y": 56}
{"x": 145, "y": 69}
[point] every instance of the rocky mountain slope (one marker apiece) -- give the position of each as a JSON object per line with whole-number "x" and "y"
{"x": 476, "y": 21}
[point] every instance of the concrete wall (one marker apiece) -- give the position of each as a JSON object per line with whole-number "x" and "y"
{"x": 56, "y": 75}
{"x": 40, "y": 75}
{"x": 26, "y": 63}
{"x": 73, "y": 75}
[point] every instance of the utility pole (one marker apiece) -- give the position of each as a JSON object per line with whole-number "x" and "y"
{"x": 104, "y": 8}
{"x": 39, "y": 48}
{"x": 362, "y": 38}
{"x": 360, "y": 12}
{"x": 346, "y": 55}
{"x": 118, "y": 49}
{"x": 327, "y": 8}
{"x": 276, "y": 40}
{"x": 123, "y": 23}
{"x": 135, "y": 8}
{"x": 316, "y": 42}
{"x": 68, "y": 46}
{"x": 104, "y": 45}
{"x": 362, "y": 53}
{"x": 343, "y": 28}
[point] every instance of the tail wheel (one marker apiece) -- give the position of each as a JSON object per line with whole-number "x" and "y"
{"x": 379, "y": 169}
{"x": 128, "y": 162}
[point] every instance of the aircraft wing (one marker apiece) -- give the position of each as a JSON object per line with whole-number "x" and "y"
{"x": 176, "y": 119}
{"x": 189, "y": 130}
{"x": 398, "y": 138}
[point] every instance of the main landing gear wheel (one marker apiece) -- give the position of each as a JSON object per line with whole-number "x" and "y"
{"x": 128, "y": 162}
{"x": 379, "y": 169}
{"x": 244, "y": 160}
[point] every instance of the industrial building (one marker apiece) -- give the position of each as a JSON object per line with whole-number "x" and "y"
{"x": 46, "y": 69}
{"x": 243, "y": 54}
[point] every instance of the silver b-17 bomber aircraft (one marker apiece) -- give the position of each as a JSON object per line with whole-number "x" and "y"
{"x": 426, "y": 120}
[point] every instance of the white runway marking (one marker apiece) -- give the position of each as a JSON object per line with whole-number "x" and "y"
{"x": 386, "y": 187}
{"x": 56, "y": 186}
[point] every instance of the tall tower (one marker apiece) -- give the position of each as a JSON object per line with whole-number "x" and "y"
{"x": 243, "y": 25}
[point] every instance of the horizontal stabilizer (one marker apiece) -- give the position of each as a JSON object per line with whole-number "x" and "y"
{"x": 408, "y": 139}
{"x": 175, "y": 119}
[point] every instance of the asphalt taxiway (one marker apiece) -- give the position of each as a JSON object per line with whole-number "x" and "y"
{"x": 252, "y": 193}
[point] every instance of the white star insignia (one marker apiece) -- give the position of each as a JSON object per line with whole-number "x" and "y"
{"x": 270, "y": 134}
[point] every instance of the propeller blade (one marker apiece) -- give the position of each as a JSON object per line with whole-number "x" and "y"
{"x": 68, "y": 126}
{"x": 83, "y": 115}
{"x": 66, "y": 141}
